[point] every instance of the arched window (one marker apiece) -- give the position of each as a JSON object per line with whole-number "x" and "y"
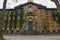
{"x": 30, "y": 19}
{"x": 30, "y": 9}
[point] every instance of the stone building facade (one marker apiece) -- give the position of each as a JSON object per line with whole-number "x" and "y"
{"x": 36, "y": 18}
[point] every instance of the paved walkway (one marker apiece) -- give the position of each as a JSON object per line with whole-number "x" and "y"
{"x": 26, "y": 37}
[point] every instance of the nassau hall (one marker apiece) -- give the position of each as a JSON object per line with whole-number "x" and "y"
{"x": 30, "y": 18}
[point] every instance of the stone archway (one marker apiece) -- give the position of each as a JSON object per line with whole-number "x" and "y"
{"x": 30, "y": 24}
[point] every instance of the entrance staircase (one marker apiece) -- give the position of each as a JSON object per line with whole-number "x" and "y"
{"x": 30, "y": 33}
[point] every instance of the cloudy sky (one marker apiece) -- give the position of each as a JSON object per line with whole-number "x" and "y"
{"x": 13, "y": 3}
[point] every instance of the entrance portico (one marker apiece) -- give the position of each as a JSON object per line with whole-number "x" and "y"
{"x": 30, "y": 23}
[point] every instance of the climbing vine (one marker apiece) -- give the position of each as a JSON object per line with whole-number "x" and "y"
{"x": 11, "y": 20}
{"x": 53, "y": 16}
{"x": 58, "y": 15}
{"x": 15, "y": 18}
{"x": 6, "y": 21}
{"x": 21, "y": 17}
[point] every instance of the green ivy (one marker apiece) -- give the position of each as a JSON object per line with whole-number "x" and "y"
{"x": 15, "y": 19}
{"x": 21, "y": 17}
{"x": 54, "y": 16}
{"x": 11, "y": 19}
{"x": 58, "y": 15}
{"x": 6, "y": 21}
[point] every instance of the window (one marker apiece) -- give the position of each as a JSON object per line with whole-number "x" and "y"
{"x": 30, "y": 19}
{"x": 36, "y": 17}
{"x": 37, "y": 27}
{"x": 23, "y": 30}
{"x": 30, "y": 9}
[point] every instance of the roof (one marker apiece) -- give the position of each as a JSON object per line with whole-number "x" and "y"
{"x": 32, "y": 3}
{"x": 51, "y": 8}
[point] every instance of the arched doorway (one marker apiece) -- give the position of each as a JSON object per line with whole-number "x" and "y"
{"x": 30, "y": 24}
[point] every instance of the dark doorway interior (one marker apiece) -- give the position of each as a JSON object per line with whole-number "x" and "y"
{"x": 30, "y": 25}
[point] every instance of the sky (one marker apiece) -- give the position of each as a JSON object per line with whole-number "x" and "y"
{"x": 13, "y": 3}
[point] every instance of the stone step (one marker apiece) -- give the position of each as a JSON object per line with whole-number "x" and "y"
{"x": 30, "y": 33}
